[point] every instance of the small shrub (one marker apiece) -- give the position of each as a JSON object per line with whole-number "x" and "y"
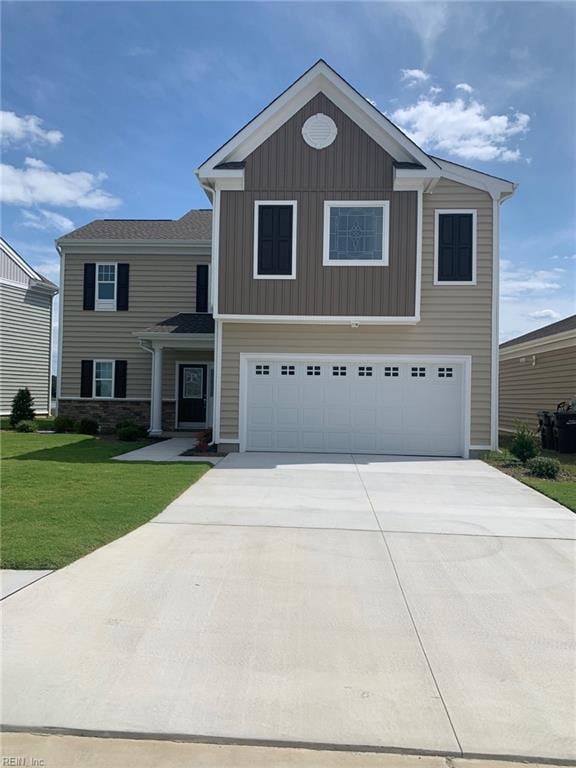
{"x": 542, "y": 466}
{"x": 27, "y": 425}
{"x": 22, "y": 407}
{"x": 87, "y": 426}
{"x": 131, "y": 432}
{"x": 525, "y": 444}
{"x": 63, "y": 424}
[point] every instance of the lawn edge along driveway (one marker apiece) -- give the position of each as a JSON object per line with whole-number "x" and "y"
{"x": 63, "y": 496}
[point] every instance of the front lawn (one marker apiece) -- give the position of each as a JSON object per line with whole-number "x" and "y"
{"x": 63, "y": 496}
{"x": 562, "y": 490}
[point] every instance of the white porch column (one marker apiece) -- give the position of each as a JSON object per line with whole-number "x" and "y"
{"x": 156, "y": 394}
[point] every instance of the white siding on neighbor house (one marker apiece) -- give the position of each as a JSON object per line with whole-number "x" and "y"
{"x": 455, "y": 320}
{"x": 26, "y": 327}
{"x": 162, "y": 284}
{"x": 9, "y": 270}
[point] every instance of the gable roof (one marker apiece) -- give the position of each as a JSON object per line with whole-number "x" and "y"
{"x": 196, "y": 225}
{"x": 32, "y": 273}
{"x": 567, "y": 324}
{"x": 319, "y": 78}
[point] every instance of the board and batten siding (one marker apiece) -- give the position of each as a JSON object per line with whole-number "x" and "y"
{"x": 162, "y": 284}
{"x": 455, "y": 320}
{"x": 533, "y": 382}
{"x": 284, "y": 167}
{"x": 26, "y": 328}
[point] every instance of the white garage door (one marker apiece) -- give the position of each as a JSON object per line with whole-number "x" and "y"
{"x": 413, "y": 408}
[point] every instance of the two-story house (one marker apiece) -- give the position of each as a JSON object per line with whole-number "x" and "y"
{"x": 341, "y": 296}
{"x": 26, "y": 299}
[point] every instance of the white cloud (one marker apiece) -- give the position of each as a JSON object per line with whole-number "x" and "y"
{"x": 26, "y": 130}
{"x": 462, "y": 129}
{"x": 434, "y": 90}
{"x": 517, "y": 282}
{"x": 38, "y": 184}
{"x": 414, "y": 76}
{"x": 464, "y": 87}
{"x": 544, "y": 314}
{"x": 50, "y": 269}
{"x": 46, "y": 220}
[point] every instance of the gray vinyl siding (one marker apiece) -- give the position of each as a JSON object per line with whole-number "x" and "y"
{"x": 9, "y": 270}
{"x": 26, "y": 327}
{"x": 284, "y": 167}
{"x": 455, "y": 320}
{"x": 528, "y": 386}
{"x": 162, "y": 284}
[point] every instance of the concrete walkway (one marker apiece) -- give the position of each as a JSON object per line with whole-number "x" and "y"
{"x": 168, "y": 450}
{"x": 12, "y": 581}
{"x": 388, "y": 604}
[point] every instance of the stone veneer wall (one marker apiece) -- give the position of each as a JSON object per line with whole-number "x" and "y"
{"x": 109, "y": 412}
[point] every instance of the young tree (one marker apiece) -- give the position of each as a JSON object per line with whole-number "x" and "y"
{"x": 22, "y": 407}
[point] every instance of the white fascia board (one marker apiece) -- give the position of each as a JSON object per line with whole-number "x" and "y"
{"x": 320, "y": 78}
{"x": 319, "y": 319}
{"x": 497, "y": 188}
{"x": 24, "y": 266}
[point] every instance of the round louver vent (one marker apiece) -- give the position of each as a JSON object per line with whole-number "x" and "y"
{"x": 319, "y": 131}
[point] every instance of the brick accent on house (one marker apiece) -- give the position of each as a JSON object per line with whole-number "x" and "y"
{"x": 107, "y": 412}
{"x": 168, "y": 415}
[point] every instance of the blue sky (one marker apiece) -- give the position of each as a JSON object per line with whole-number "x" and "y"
{"x": 109, "y": 107}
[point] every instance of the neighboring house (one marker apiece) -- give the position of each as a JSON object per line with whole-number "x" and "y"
{"x": 25, "y": 331}
{"x": 343, "y": 296}
{"x": 537, "y": 371}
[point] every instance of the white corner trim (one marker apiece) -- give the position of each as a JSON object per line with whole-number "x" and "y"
{"x": 217, "y": 381}
{"x": 384, "y": 261}
{"x": 464, "y": 360}
{"x": 419, "y": 239}
{"x": 495, "y": 358}
{"x": 215, "y": 248}
{"x": 437, "y": 213}
{"x": 322, "y": 319}
{"x": 257, "y": 205}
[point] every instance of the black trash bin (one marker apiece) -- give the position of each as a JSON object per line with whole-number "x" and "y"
{"x": 546, "y": 429}
{"x": 565, "y": 431}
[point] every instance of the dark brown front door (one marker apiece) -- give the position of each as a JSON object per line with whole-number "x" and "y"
{"x": 192, "y": 392}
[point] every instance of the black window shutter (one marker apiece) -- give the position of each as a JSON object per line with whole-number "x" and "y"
{"x": 120, "y": 378}
{"x": 202, "y": 288}
{"x": 455, "y": 238}
{"x": 123, "y": 279}
{"x": 89, "y": 285}
{"x": 275, "y": 240}
{"x": 86, "y": 375}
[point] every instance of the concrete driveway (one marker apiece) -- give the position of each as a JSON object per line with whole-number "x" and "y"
{"x": 382, "y": 603}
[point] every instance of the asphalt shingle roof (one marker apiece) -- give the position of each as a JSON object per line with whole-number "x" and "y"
{"x": 194, "y": 225}
{"x": 184, "y": 322}
{"x": 567, "y": 324}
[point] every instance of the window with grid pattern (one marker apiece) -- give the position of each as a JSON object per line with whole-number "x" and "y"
{"x": 262, "y": 370}
{"x": 364, "y": 370}
{"x": 391, "y": 370}
{"x": 312, "y": 370}
{"x": 338, "y": 370}
{"x": 418, "y": 372}
{"x": 287, "y": 370}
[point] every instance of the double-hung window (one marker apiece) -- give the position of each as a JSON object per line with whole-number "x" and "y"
{"x": 455, "y": 247}
{"x": 275, "y": 239}
{"x": 356, "y": 233}
{"x": 105, "y": 287}
{"x": 103, "y": 378}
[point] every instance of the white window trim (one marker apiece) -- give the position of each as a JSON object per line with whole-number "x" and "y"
{"x": 100, "y": 397}
{"x": 106, "y": 305}
{"x": 257, "y": 204}
{"x": 437, "y": 213}
{"x": 384, "y": 261}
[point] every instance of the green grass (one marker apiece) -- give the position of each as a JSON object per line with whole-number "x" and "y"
{"x": 562, "y": 490}
{"x": 44, "y": 422}
{"x": 63, "y": 497}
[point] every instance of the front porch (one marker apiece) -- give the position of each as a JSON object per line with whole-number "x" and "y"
{"x": 182, "y": 374}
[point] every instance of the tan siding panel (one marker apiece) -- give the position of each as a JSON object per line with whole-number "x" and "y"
{"x": 526, "y": 388}
{"x": 456, "y": 320}
{"x": 25, "y": 320}
{"x": 161, "y": 285}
